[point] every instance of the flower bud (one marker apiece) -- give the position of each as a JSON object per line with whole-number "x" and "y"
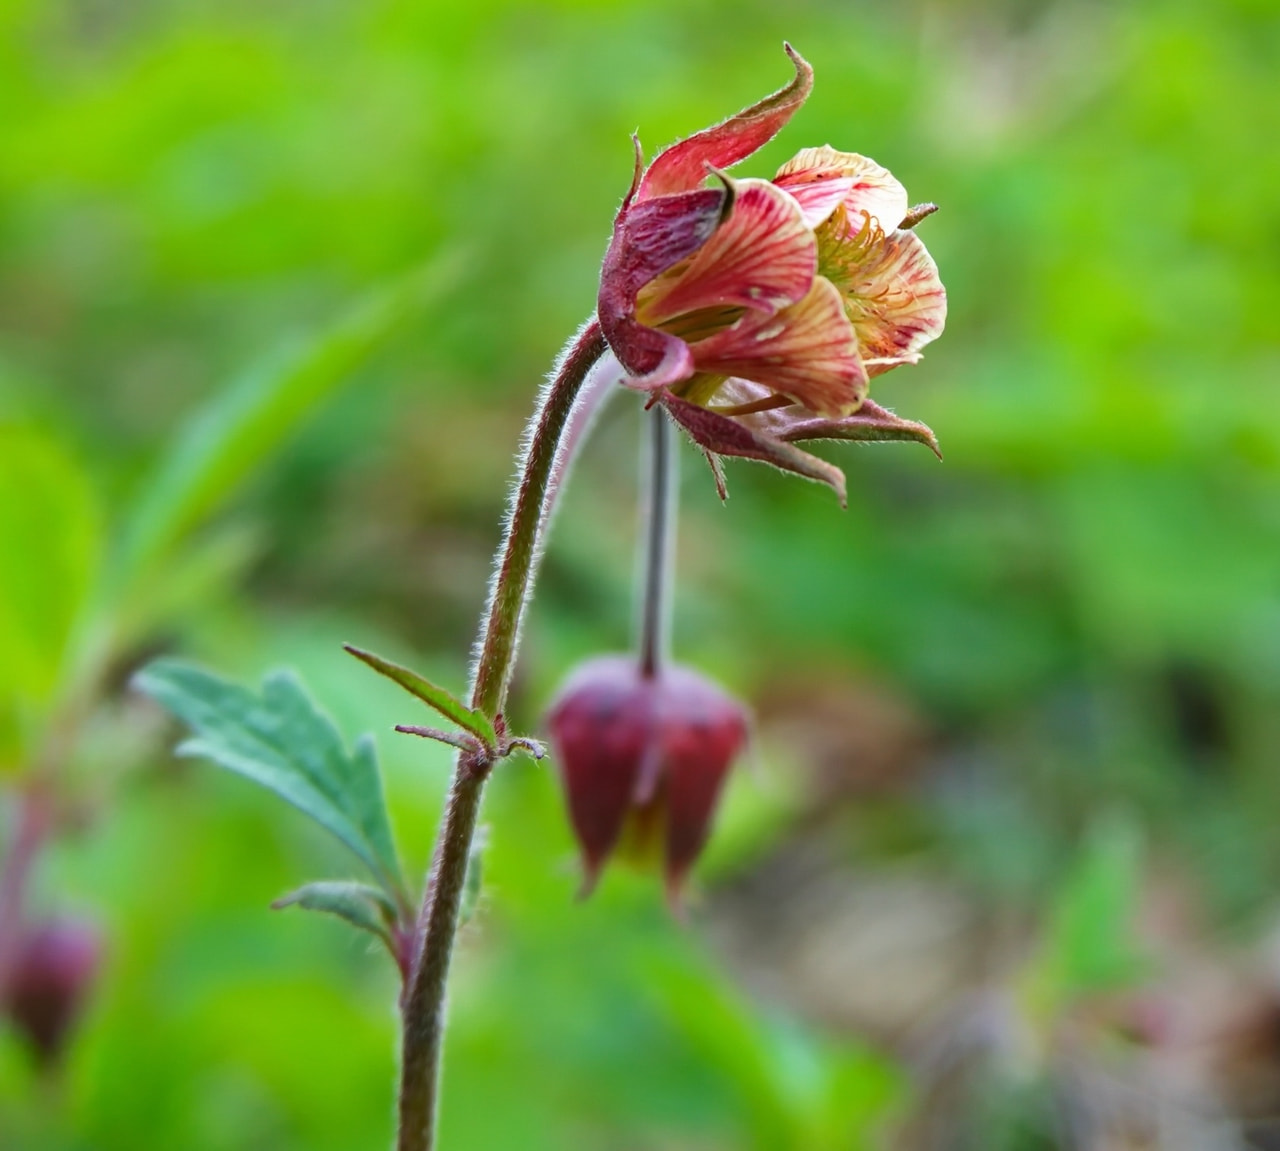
{"x": 643, "y": 759}
{"x": 54, "y": 967}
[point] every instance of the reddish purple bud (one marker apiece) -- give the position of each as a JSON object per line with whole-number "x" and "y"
{"x": 54, "y": 967}
{"x": 645, "y": 756}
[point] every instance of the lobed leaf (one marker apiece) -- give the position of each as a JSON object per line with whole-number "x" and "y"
{"x": 365, "y": 907}
{"x": 279, "y": 739}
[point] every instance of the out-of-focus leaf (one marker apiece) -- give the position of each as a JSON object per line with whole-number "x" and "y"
{"x": 49, "y": 536}
{"x": 1090, "y": 945}
{"x": 798, "y": 1090}
{"x": 433, "y": 696}
{"x": 365, "y": 907}
{"x": 474, "y": 879}
{"x": 282, "y": 741}
{"x": 242, "y": 425}
{"x": 200, "y": 573}
{"x": 726, "y": 1034}
{"x": 861, "y": 1090}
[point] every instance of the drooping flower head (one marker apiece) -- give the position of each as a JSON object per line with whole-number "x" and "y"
{"x": 756, "y": 311}
{"x": 643, "y": 758}
{"x": 56, "y": 962}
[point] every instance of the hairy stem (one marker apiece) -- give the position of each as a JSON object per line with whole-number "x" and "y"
{"x": 659, "y": 508}
{"x": 516, "y": 561}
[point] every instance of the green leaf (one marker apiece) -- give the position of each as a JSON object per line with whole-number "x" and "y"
{"x": 198, "y": 574}
{"x": 49, "y": 537}
{"x": 726, "y": 1035}
{"x": 280, "y": 740}
{"x": 1091, "y": 945}
{"x": 474, "y": 879}
{"x": 443, "y": 701}
{"x": 242, "y": 425}
{"x": 365, "y": 907}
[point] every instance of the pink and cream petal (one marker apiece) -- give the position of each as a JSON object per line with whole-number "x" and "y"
{"x": 729, "y": 437}
{"x": 684, "y": 164}
{"x": 764, "y": 257}
{"x": 892, "y": 293}
{"x": 808, "y": 351}
{"x": 649, "y": 238}
{"x": 819, "y": 198}
{"x": 661, "y": 358}
{"x": 870, "y": 188}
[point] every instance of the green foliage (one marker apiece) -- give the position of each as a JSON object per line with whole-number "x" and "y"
{"x": 49, "y": 545}
{"x": 50, "y": 519}
{"x": 1077, "y": 611}
{"x": 1090, "y": 945}
{"x": 367, "y": 908}
{"x": 796, "y": 1091}
{"x": 248, "y": 421}
{"x": 279, "y": 739}
{"x": 433, "y": 696}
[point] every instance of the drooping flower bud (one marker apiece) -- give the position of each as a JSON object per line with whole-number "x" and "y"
{"x": 643, "y": 757}
{"x": 54, "y": 967}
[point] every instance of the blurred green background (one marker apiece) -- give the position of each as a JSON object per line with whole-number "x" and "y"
{"x": 1003, "y": 872}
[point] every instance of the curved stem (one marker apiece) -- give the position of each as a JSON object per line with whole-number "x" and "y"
{"x": 517, "y": 559}
{"x": 656, "y": 545}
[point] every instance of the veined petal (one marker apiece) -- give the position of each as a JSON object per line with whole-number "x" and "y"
{"x": 655, "y": 235}
{"x": 808, "y": 351}
{"x": 602, "y": 732}
{"x": 684, "y": 164}
{"x": 822, "y": 178}
{"x": 764, "y": 256}
{"x": 819, "y": 198}
{"x": 891, "y": 291}
{"x": 649, "y": 238}
{"x": 702, "y": 731}
{"x": 725, "y": 436}
{"x": 660, "y": 359}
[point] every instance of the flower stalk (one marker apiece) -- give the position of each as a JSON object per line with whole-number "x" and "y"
{"x": 423, "y": 1002}
{"x": 658, "y": 530}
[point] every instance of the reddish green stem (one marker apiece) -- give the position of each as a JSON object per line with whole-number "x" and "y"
{"x": 424, "y": 998}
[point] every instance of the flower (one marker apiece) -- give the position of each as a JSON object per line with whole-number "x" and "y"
{"x": 642, "y": 759}
{"x": 756, "y": 312}
{"x": 55, "y": 965}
